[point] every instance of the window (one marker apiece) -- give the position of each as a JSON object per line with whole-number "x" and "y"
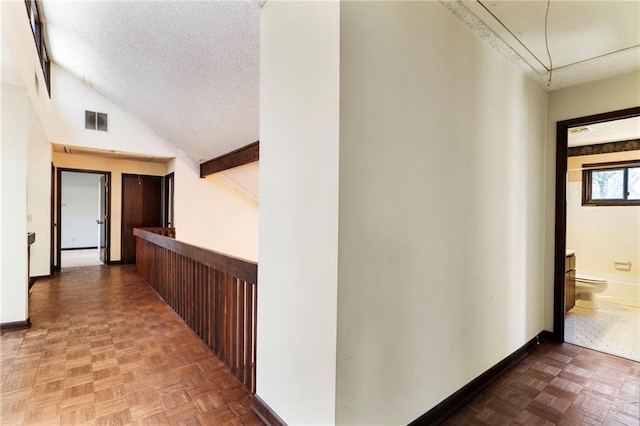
{"x": 611, "y": 184}
{"x": 37, "y": 28}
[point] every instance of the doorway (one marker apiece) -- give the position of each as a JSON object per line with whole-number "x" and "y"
{"x": 563, "y": 302}
{"x": 141, "y": 208}
{"x": 83, "y": 211}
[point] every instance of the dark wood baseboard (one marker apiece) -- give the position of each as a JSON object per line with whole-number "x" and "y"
{"x": 265, "y": 413}
{"x": 114, "y": 262}
{"x": 16, "y": 325}
{"x": 42, "y": 277}
{"x": 456, "y": 401}
{"x": 79, "y": 248}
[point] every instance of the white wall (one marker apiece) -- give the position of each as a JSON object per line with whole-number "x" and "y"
{"x": 39, "y": 205}
{"x": 80, "y": 210}
{"x": 211, "y": 214}
{"x": 299, "y": 108}
{"x": 16, "y": 31}
{"x": 116, "y": 167}
{"x": 65, "y": 120}
{"x": 441, "y": 210}
{"x": 610, "y": 94}
{"x": 13, "y": 205}
{"x": 602, "y": 234}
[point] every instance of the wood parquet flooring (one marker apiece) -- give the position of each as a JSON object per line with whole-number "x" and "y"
{"x": 104, "y": 349}
{"x": 559, "y": 384}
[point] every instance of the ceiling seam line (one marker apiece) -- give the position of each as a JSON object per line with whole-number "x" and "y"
{"x": 514, "y": 36}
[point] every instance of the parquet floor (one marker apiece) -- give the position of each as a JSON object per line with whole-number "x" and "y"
{"x": 104, "y": 349}
{"x": 560, "y": 384}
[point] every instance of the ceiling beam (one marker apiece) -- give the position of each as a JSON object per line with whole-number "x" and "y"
{"x": 245, "y": 155}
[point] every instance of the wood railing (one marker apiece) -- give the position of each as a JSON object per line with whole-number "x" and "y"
{"x": 215, "y": 294}
{"x": 167, "y": 232}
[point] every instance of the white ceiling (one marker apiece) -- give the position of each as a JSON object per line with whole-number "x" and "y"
{"x": 610, "y": 131}
{"x": 189, "y": 70}
{"x": 588, "y": 40}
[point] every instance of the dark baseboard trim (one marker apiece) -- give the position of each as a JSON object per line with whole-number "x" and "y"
{"x": 114, "y": 262}
{"x": 545, "y": 335}
{"x": 16, "y": 325}
{"x": 79, "y": 248}
{"x": 455, "y": 402}
{"x": 42, "y": 277}
{"x": 265, "y": 413}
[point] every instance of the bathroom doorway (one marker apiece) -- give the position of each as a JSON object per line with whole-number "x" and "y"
{"x": 597, "y": 283}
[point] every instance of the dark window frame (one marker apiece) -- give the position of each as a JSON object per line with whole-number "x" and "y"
{"x": 587, "y": 190}
{"x": 37, "y": 29}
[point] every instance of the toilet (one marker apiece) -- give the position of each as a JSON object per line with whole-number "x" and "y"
{"x": 586, "y": 289}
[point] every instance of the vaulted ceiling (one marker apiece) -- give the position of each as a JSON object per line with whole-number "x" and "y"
{"x": 190, "y": 70}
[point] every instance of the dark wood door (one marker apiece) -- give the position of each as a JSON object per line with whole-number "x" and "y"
{"x": 141, "y": 207}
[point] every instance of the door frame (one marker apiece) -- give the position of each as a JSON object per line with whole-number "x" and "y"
{"x": 168, "y": 184}
{"x": 58, "y": 224}
{"x": 52, "y": 243}
{"x": 562, "y": 129}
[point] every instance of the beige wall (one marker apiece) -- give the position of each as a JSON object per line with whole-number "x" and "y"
{"x": 210, "y": 213}
{"x": 602, "y": 234}
{"x": 39, "y": 206}
{"x": 299, "y": 113}
{"x": 13, "y": 204}
{"x": 600, "y": 96}
{"x": 117, "y": 168}
{"x": 441, "y": 247}
{"x": 438, "y": 236}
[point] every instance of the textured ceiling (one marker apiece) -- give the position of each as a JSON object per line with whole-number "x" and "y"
{"x": 588, "y": 40}
{"x": 189, "y": 70}
{"x": 610, "y": 131}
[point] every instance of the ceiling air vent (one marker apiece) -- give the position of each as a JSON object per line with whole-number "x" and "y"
{"x": 578, "y": 130}
{"x": 95, "y": 121}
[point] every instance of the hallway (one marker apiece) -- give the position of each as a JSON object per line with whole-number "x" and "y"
{"x": 103, "y": 348}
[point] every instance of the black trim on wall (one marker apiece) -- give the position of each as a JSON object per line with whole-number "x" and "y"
{"x": 79, "y": 248}
{"x": 265, "y": 413}
{"x": 604, "y": 148}
{"x": 16, "y": 325}
{"x": 562, "y": 129}
{"x": 42, "y": 277}
{"x": 456, "y": 401}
